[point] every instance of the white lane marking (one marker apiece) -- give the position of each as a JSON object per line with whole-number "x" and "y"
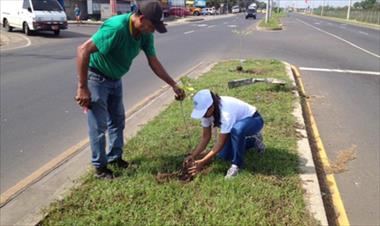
{"x": 340, "y": 71}
{"x": 362, "y": 32}
{"x": 188, "y": 32}
{"x": 202, "y": 25}
{"x": 28, "y": 43}
{"x": 343, "y": 40}
{"x": 232, "y": 25}
{"x": 317, "y": 23}
{"x": 211, "y": 26}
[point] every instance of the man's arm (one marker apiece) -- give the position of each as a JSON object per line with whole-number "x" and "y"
{"x": 83, "y": 96}
{"x": 160, "y": 71}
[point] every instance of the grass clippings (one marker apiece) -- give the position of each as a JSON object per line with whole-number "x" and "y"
{"x": 339, "y": 165}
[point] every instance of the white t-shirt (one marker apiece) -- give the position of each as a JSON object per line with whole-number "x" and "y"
{"x": 232, "y": 110}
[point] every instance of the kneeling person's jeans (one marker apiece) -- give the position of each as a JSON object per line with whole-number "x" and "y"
{"x": 106, "y": 113}
{"x": 237, "y": 144}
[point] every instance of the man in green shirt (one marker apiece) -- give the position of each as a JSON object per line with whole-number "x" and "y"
{"x": 102, "y": 61}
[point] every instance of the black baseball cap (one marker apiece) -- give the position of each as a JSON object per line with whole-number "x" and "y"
{"x": 151, "y": 9}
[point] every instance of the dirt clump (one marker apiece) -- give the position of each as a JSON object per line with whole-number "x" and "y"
{"x": 182, "y": 175}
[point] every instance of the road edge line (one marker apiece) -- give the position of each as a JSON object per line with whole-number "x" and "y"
{"x": 340, "y": 212}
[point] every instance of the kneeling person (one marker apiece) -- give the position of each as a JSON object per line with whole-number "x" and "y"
{"x": 240, "y": 125}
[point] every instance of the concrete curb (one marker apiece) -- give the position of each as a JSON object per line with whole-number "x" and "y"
{"x": 25, "y": 207}
{"x": 13, "y": 40}
{"x": 333, "y": 201}
{"x": 308, "y": 173}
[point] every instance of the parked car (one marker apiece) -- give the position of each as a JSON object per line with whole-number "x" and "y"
{"x": 204, "y": 11}
{"x": 178, "y": 11}
{"x": 209, "y": 11}
{"x": 33, "y": 15}
{"x": 251, "y": 13}
{"x": 195, "y": 11}
{"x": 235, "y": 9}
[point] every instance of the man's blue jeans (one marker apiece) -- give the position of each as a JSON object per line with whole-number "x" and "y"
{"x": 237, "y": 144}
{"x": 106, "y": 112}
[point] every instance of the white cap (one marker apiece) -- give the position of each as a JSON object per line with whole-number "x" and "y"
{"x": 202, "y": 101}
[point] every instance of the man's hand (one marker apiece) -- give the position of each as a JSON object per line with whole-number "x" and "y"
{"x": 179, "y": 93}
{"x": 196, "y": 168}
{"x": 83, "y": 97}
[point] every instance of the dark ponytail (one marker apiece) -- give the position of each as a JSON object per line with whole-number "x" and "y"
{"x": 217, "y": 104}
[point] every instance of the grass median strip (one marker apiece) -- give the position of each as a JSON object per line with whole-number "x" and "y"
{"x": 274, "y": 22}
{"x": 266, "y": 192}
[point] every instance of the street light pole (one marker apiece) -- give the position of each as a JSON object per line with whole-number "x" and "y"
{"x": 349, "y": 10}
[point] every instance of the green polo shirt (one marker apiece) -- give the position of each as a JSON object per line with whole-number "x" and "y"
{"x": 117, "y": 47}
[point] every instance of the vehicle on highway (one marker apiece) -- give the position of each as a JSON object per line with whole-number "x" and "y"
{"x": 235, "y": 9}
{"x": 252, "y": 6}
{"x": 33, "y": 15}
{"x": 251, "y": 13}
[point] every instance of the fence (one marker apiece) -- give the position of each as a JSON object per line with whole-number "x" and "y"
{"x": 368, "y": 16}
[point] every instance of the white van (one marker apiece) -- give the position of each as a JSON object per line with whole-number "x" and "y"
{"x": 33, "y": 15}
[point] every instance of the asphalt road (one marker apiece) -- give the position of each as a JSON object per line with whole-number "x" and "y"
{"x": 39, "y": 118}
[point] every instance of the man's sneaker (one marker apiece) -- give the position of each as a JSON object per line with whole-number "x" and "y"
{"x": 259, "y": 144}
{"x": 232, "y": 172}
{"x": 120, "y": 163}
{"x": 104, "y": 173}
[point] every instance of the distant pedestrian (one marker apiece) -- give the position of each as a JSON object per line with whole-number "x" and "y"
{"x": 240, "y": 129}
{"x": 102, "y": 61}
{"x": 77, "y": 13}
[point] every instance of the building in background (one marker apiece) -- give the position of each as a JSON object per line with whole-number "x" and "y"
{"x": 92, "y": 9}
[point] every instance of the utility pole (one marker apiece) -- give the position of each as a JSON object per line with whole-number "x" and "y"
{"x": 267, "y": 12}
{"x": 270, "y": 8}
{"x": 323, "y": 5}
{"x": 349, "y": 10}
{"x": 311, "y": 7}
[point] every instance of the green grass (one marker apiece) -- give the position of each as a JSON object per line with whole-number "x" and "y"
{"x": 274, "y": 23}
{"x": 270, "y": 194}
